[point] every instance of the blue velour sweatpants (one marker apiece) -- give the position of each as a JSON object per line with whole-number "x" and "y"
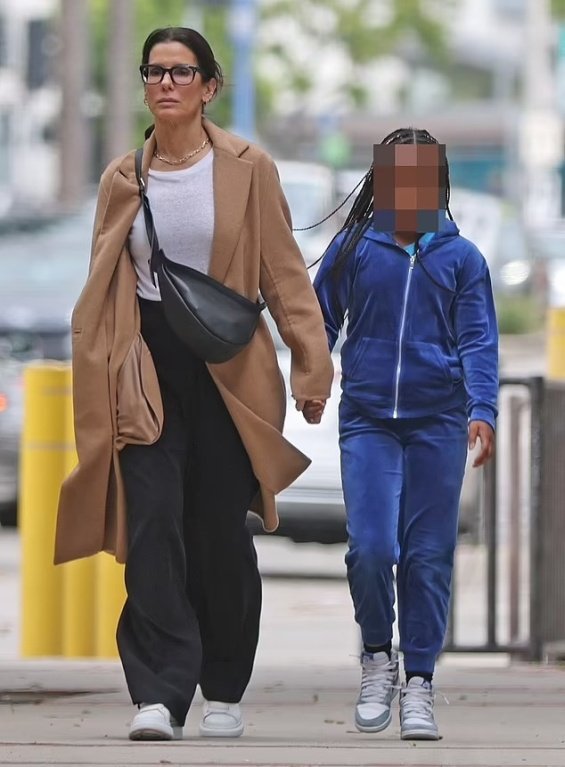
{"x": 402, "y": 482}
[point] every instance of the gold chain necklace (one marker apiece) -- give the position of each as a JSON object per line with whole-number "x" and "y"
{"x": 182, "y": 159}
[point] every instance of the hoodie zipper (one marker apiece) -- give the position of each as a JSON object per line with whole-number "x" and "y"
{"x": 401, "y": 334}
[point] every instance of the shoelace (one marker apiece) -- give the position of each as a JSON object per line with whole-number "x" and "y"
{"x": 376, "y": 683}
{"x": 417, "y": 701}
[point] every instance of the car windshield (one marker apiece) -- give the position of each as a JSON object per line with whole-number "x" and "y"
{"x": 52, "y": 259}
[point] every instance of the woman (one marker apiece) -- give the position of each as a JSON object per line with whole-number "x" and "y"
{"x": 172, "y": 451}
{"x": 420, "y": 384}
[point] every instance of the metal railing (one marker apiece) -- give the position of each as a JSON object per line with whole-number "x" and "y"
{"x": 513, "y": 506}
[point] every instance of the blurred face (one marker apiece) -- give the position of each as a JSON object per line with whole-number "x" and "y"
{"x": 180, "y": 101}
{"x": 409, "y": 187}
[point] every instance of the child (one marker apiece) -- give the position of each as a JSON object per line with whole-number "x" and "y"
{"x": 419, "y": 384}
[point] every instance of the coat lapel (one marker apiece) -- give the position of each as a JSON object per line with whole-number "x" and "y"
{"x": 232, "y": 181}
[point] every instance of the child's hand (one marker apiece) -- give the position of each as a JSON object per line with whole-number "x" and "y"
{"x": 483, "y": 431}
{"x": 313, "y": 410}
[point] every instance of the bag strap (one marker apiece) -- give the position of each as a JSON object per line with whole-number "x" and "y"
{"x": 148, "y": 216}
{"x": 156, "y": 251}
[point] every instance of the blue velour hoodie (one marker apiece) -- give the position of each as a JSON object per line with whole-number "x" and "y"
{"x": 422, "y": 336}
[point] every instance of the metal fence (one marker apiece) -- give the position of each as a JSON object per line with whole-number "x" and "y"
{"x": 509, "y": 584}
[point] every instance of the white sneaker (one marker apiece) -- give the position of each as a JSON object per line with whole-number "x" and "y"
{"x": 221, "y": 720}
{"x": 417, "y": 711}
{"x": 379, "y": 685}
{"x": 154, "y": 722}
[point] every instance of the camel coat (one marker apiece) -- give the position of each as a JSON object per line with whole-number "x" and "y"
{"x": 116, "y": 394}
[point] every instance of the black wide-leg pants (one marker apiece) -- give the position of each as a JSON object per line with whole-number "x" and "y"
{"x": 193, "y": 587}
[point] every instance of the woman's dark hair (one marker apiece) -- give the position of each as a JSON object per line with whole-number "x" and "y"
{"x": 360, "y": 215}
{"x": 196, "y": 43}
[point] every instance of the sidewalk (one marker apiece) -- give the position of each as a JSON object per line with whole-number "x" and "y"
{"x": 75, "y": 713}
{"x": 299, "y": 706}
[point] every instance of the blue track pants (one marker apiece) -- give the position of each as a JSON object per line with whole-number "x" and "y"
{"x": 402, "y": 482}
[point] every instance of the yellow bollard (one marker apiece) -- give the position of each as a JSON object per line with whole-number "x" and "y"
{"x": 556, "y": 342}
{"x": 110, "y": 598}
{"x": 79, "y": 586}
{"x": 42, "y": 468}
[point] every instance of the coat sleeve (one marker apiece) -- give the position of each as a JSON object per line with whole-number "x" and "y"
{"x": 287, "y": 289}
{"x": 477, "y": 338}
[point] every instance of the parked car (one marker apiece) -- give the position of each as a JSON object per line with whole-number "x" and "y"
{"x": 489, "y": 221}
{"x": 497, "y": 229}
{"x": 42, "y": 275}
{"x": 43, "y": 272}
{"x": 312, "y": 509}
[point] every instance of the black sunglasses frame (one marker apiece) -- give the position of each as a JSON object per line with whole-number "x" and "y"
{"x": 168, "y": 70}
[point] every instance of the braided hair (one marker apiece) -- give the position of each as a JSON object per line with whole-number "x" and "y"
{"x": 360, "y": 215}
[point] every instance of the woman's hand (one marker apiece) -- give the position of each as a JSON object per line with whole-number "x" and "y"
{"x": 485, "y": 433}
{"x": 312, "y": 409}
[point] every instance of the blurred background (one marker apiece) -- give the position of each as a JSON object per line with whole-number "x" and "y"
{"x": 316, "y": 83}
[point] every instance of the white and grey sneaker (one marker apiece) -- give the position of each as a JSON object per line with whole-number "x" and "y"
{"x": 379, "y": 685}
{"x": 154, "y": 722}
{"x": 417, "y": 711}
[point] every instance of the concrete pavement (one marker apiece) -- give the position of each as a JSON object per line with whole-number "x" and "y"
{"x": 299, "y": 706}
{"x": 77, "y": 713}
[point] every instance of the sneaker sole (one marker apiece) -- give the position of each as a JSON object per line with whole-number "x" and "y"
{"x": 373, "y": 727}
{"x": 211, "y": 732}
{"x": 148, "y": 733}
{"x": 419, "y": 735}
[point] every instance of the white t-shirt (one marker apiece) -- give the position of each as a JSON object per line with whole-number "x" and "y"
{"x": 182, "y": 203}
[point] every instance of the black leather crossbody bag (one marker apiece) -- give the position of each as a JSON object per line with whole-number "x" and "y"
{"x": 213, "y": 321}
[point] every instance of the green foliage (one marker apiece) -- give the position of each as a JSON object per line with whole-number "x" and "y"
{"x": 518, "y": 314}
{"x": 150, "y": 15}
{"x": 354, "y": 27}
{"x": 558, "y": 8}
{"x": 349, "y": 25}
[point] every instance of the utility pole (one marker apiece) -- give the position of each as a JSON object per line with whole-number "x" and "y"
{"x": 74, "y": 144}
{"x": 541, "y": 154}
{"x": 243, "y": 20}
{"x": 120, "y": 82}
{"x": 541, "y": 128}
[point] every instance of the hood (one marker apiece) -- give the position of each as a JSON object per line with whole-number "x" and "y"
{"x": 449, "y": 231}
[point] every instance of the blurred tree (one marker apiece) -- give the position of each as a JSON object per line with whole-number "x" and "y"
{"x": 558, "y": 8}
{"x": 150, "y": 15}
{"x": 364, "y": 30}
